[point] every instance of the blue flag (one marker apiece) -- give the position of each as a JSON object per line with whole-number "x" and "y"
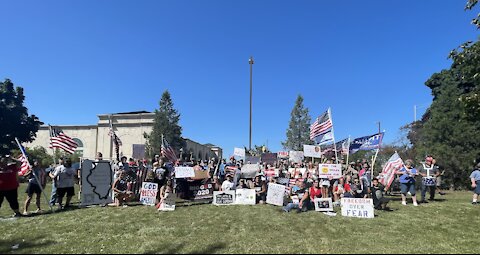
{"x": 366, "y": 143}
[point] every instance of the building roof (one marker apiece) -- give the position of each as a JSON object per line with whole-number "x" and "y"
{"x": 125, "y": 113}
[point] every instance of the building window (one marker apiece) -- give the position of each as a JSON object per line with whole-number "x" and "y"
{"x": 79, "y": 149}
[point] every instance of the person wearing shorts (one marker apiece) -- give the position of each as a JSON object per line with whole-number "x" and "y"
{"x": 35, "y": 176}
{"x": 407, "y": 182}
{"x": 64, "y": 176}
{"x": 475, "y": 178}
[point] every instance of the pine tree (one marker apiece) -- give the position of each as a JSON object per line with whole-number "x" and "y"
{"x": 166, "y": 123}
{"x": 298, "y": 132}
{"x": 14, "y": 118}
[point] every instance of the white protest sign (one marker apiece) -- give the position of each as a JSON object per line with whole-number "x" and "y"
{"x": 358, "y": 208}
{"x": 323, "y": 204}
{"x": 97, "y": 181}
{"x": 168, "y": 204}
{"x": 250, "y": 170}
{"x": 296, "y": 156}
{"x": 148, "y": 194}
{"x": 312, "y": 151}
{"x": 330, "y": 170}
{"x": 239, "y": 152}
{"x": 245, "y": 197}
{"x": 224, "y": 197}
{"x": 282, "y": 154}
{"x": 184, "y": 172}
{"x": 275, "y": 194}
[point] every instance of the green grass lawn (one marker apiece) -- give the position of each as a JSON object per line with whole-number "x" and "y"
{"x": 448, "y": 226}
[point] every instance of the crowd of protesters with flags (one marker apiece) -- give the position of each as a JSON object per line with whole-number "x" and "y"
{"x": 302, "y": 178}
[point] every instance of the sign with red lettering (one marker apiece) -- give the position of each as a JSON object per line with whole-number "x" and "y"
{"x": 148, "y": 194}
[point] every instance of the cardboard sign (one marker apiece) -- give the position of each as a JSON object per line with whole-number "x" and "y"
{"x": 282, "y": 154}
{"x": 239, "y": 152}
{"x": 296, "y": 156}
{"x": 358, "y": 208}
{"x": 269, "y": 158}
{"x": 184, "y": 172}
{"x": 148, "y": 194}
{"x": 250, "y": 171}
{"x": 245, "y": 197}
{"x": 97, "y": 182}
{"x": 312, "y": 151}
{"x": 168, "y": 203}
{"x": 224, "y": 197}
{"x": 330, "y": 170}
{"x": 200, "y": 174}
{"x": 323, "y": 204}
{"x": 275, "y": 194}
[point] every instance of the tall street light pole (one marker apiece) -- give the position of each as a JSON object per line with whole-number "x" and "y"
{"x": 250, "y": 61}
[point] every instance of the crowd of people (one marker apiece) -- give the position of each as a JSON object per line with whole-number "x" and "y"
{"x": 302, "y": 179}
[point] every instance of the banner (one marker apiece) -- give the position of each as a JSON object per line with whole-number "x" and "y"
{"x": 138, "y": 151}
{"x": 239, "y": 152}
{"x": 252, "y": 160}
{"x": 249, "y": 171}
{"x": 366, "y": 143}
{"x": 282, "y": 154}
{"x": 269, "y": 158}
{"x": 199, "y": 191}
{"x": 97, "y": 182}
{"x": 148, "y": 194}
{"x": 224, "y": 197}
{"x": 168, "y": 203}
{"x": 296, "y": 156}
{"x": 275, "y": 194}
{"x": 312, "y": 151}
{"x": 323, "y": 205}
{"x": 245, "y": 197}
{"x": 184, "y": 172}
{"x": 358, "y": 208}
{"x": 330, "y": 170}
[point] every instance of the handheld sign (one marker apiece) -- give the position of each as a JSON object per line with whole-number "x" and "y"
{"x": 224, "y": 197}
{"x": 245, "y": 197}
{"x": 358, "y": 208}
{"x": 184, "y": 172}
{"x": 168, "y": 203}
{"x": 275, "y": 194}
{"x": 296, "y": 156}
{"x": 148, "y": 195}
{"x": 323, "y": 205}
{"x": 250, "y": 170}
{"x": 312, "y": 151}
{"x": 239, "y": 152}
{"x": 330, "y": 170}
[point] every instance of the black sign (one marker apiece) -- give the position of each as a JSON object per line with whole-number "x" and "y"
{"x": 198, "y": 190}
{"x": 269, "y": 158}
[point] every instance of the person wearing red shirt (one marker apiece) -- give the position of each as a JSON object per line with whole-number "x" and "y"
{"x": 9, "y": 184}
{"x": 309, "y": 197}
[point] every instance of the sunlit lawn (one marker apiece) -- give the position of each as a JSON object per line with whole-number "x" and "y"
{"x": 448, "y": 226}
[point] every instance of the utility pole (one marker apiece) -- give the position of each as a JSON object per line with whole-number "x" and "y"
{"x": 250, "y": 61}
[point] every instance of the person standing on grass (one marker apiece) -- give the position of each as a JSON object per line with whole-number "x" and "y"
{"x": 407, "y": 182}
{"x": 64, "y": 176}
{"x": 34, "y": 187}
{"x": 429, "y": 172}
{"x": 475, "y": 178}
{"x": 9, "y": 184}
{"x": 53, "y": 194}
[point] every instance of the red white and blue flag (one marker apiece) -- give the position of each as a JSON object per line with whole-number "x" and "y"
{"x": 321, "y": 126}
{"x": 387, "y": 176}
{"x": 58, "y": 139}
{"x": 168, "y": 151}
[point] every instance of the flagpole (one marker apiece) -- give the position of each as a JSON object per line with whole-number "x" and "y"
{"x": 333, "y": 134}
{"x": 34, "y": 175}
{"x": 53, "y": 149}
{"x": 348, "y": 152}
{"x": 111, "y": 138}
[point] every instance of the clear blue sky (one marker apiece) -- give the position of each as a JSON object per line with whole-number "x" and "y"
{"x": 368, "y": 60}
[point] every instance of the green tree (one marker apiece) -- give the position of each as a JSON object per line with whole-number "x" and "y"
{"x": 298, "y": 132}
{"x": 14, "y": 118}
{"x": 166, "y": 123}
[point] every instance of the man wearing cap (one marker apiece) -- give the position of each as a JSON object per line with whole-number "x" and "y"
{"x": 475, "y": 178}
{"x": 9, "y": 184}
{"x": 429, "y": 173}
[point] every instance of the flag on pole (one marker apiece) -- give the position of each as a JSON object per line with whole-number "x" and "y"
{"x": 168, "y": 151}
{"x": 58, "y": 139}
{"x": 387, "y": 176}
{"x": 321, "y": 126}
{"x": 116, "y": 141}
{"x": 366, "y": 143}
{"x": 324, "y": 138}
{"x": 25, "y": 168}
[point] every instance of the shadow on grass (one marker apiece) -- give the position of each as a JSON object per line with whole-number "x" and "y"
{"x": 6, "y": 246}
{"x": 178, "y": 249}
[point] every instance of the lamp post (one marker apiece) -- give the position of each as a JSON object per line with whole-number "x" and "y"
{"x": 250, "y": 61}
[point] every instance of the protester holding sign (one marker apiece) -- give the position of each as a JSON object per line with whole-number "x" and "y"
{"x": 260, "y": 190}
{"x": 120, "y": 189}
{"x": 407, "y": 182}
{"x": 475, "y": 178}
{"x": 9, "y": 184}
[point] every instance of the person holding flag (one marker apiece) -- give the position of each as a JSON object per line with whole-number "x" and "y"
{"x": 9, "y": 184}
{"x": 407, "y": 182}
{"x": 34, "y": 187}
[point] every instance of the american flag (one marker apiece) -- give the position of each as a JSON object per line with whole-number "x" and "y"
{"x": 168, "y": 152}
{"x": 321, "y": 126}
{"x": 388, "y": 174}
{"x": 58, "y": 139}
{"x": 271, "y": 172}
{"x": 25, "y": 166}
{"x": 116, "y": 140}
